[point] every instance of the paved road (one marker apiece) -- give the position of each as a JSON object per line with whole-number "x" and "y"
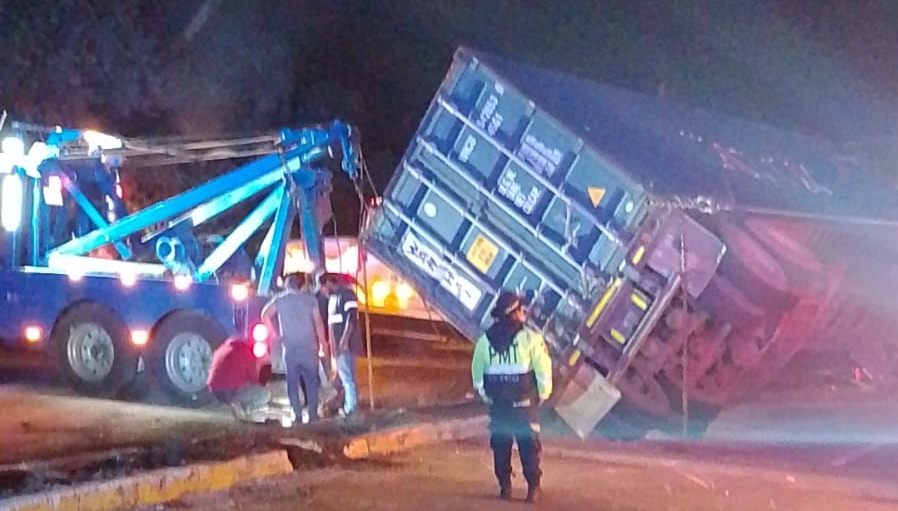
{"x": 458, "y": 476}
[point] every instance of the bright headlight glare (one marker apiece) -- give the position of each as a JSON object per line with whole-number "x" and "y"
{"x": 11, "y": 202}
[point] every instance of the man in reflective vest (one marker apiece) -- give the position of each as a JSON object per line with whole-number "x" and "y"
{"x": 345, "y": 336}
{"x": 512, "y": 372}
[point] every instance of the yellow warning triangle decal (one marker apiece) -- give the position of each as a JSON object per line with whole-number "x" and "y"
{"x": 595, "y": 195}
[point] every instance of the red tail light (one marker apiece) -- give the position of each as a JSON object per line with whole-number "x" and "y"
{"x": 260, "y": 340}
{"x": 260, "y": 332}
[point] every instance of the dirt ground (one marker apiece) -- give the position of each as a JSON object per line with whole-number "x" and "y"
{"x": 37, "y": 426}
{"x": 459, "y": 476}
{"x": 848, "y": 438}
{"x": 42, "y": 419}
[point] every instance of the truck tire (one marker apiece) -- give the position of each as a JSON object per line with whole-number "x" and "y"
{"x": 753, "y": 270}
{"x": 93, "y": 350}
{"x": 800, "y": 264}
{"x": 181, "y": 353}
{"x": 724, "y": 302}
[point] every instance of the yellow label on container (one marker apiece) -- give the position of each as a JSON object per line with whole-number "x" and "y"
{"x": 482, "y": 253}
{"x": 596, "y": 195}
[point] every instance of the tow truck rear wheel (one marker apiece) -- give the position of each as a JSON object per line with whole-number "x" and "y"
{"x": 93, "y": 350}
{"x": 181, "y": 353}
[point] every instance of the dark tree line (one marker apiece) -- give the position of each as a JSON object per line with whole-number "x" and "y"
{"x": 148, "y": 68}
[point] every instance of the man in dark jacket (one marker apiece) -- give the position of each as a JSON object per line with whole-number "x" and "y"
{"x": 294, "y": 316}
{"x": 512, "y": 371}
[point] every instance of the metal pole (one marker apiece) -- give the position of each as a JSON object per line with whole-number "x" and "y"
{"x": 363, "y": 255}
{"x": 685, "y": 293}
{"x": 36, "y": 223}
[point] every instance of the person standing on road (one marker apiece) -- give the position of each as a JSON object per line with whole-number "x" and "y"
{"x": 331, "y": 389}
{"x": 345, "y": 335}
{"x": 234, "y": 378}
{"x": 512, "y": 373}
{"x": 294, "y": 318}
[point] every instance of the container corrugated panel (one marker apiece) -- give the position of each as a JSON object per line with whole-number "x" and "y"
{"x": 524, "y": 178}
{"x": 686, "y": 155}
{"x": 496, "y": 193}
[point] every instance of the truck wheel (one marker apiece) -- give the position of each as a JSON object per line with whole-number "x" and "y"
{"x": 752, "y": 270}
{"x": 798, "y": 261}
{"x": 723, "y": 383}
{"x": 705, "y": 348}
{"x": 724, "y": 302}
{"x": 181, "y": 354}
{"x": 93, "y": 350}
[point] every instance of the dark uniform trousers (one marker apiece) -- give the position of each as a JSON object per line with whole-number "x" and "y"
{"x": 507, "y": 425}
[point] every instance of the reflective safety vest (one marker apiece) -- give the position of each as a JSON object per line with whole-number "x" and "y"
{"x": 519, "y": 376}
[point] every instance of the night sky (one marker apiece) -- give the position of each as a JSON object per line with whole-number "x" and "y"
{"x": 212, "y": 67}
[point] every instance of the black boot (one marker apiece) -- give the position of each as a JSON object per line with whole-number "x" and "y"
{"x": 501, "y": 446}
{"x": 534, "y": 495}
{"x": 505, "y": 492}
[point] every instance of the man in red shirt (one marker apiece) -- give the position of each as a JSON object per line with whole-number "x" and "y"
{"x": 234, "y": 378}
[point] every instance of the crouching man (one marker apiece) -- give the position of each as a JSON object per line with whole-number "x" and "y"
{"x": 235, "y": 378}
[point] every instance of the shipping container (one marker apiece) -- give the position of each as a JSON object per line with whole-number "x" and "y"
{"x": 623, "y": 215}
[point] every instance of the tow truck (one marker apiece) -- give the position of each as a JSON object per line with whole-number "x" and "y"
{"x": 112, "y": 294}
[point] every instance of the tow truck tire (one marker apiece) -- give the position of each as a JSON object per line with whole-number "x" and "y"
{"x": 181, "y": 353}
{"x": 753, "y": 270}
{"x": 93, "y": 352}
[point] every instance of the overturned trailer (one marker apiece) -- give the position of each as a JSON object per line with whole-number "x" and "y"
{"x": 672, "y": 253}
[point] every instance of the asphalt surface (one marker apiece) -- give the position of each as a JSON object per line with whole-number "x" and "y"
{"x": 459, "y": 476}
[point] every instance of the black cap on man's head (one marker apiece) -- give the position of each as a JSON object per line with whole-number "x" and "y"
{"x": 507, "y": 303}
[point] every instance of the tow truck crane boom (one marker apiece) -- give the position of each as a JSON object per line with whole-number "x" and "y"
{"x": 65, "y": 292}
{"x": 292, "y": 186}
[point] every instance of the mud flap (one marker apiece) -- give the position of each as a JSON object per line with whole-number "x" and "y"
{"x": 586, "y": 400}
